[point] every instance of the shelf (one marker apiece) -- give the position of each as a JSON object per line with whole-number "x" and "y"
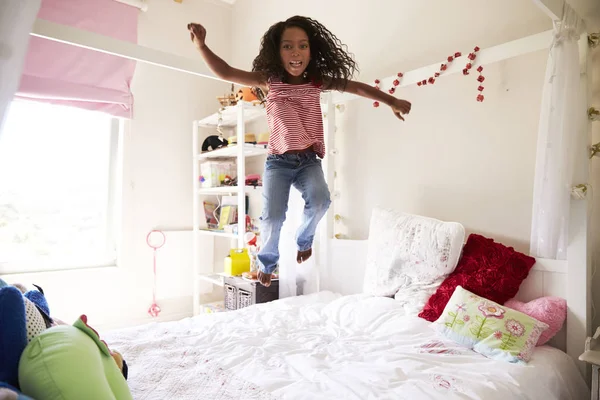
{"x": 216, "y": 279}
{"x": 213, "y": 307}
{"x": 230, "y": 115}
{"x": 250, "y": 150}
{"x": 210, "y": 232}
{"x": 225, "y": 189}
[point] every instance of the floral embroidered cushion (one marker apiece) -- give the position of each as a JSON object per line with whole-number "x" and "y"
{"x": 409, "y": 256}
{"x": 488, "y": 328}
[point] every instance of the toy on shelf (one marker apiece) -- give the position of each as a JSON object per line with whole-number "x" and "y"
{"x": 246, "y": 94}
{"x": 237, "y": 262}
{"x": 253, "y": 248}
{"x": 228, "y": 99}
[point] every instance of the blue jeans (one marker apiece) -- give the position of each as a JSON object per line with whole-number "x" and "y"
{"x": 304, "y": 171}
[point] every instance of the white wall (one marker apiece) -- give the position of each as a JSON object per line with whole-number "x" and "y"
{"x": 453, "y": 158}
{"x": 157, "y": 177}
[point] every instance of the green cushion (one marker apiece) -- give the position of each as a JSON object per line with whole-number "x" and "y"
{"x": 70, "y": 363}
{"x": 488, "y": 328}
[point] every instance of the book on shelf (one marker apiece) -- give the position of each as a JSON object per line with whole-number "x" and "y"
{"x": 211, "y": 214}
{"x": 228, "y": 216}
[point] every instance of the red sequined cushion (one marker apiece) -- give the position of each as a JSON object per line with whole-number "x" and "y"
{"x": 486, "y": 268}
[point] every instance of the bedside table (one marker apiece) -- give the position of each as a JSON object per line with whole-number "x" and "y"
{"x": 240, "y": 293}
{"x": 591, "y": 355}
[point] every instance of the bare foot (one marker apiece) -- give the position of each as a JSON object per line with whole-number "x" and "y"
{"x": 303, "y": 255}
{"x": 264, "y": 279}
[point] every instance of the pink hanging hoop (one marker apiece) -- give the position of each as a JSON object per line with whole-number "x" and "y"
{"x": 155, "y": 239}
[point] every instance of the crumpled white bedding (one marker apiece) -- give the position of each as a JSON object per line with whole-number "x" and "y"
{"x": 324, "y": 346}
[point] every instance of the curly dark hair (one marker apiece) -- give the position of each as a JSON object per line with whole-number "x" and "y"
{"x": 330, "y": 60}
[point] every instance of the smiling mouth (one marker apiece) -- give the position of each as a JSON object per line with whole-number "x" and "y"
{"x": 295, "y": 64}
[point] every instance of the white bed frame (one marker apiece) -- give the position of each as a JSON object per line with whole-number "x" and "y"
{"x": 345, "y": 271}
{"x": 570, "y": 279}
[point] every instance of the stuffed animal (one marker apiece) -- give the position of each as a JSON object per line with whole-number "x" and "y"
{"x": 70, "y": 362}
{"x": 22, "y": 318}
{"x": 246, "y": 94}
{"x": 40, "y": 355}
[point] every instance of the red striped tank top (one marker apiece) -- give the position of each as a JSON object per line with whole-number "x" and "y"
{"x": 294, "y": 118}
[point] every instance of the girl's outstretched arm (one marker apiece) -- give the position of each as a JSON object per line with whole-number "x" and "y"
{"x": 218, "y": 66}
{"x": 398, "y": 106}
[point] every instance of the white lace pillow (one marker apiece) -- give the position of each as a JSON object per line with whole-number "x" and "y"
{"x": 409, "y": 256}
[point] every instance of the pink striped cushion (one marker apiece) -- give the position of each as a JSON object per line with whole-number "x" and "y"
{"x": 550, "y": 310}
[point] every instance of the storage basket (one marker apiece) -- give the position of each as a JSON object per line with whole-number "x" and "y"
{"x": 244, "y": 298}
{"x": 214, "y": 172}
{"x": 230, "y": 297}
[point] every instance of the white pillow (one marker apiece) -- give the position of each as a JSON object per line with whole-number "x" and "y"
{"x": 409, "y": 256}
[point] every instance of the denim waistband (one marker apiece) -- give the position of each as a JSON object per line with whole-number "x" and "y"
{"x": 305, "y": 155}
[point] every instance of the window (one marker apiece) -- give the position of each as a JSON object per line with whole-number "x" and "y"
{"x": 58, "y": 181}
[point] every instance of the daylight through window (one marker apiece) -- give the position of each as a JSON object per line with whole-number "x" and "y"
{"x": 58, "y": 180}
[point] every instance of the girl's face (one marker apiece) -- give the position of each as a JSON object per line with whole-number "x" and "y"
{"x": 294, "y": 51}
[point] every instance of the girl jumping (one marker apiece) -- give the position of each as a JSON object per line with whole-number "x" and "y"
{"x": 298, "y": 59}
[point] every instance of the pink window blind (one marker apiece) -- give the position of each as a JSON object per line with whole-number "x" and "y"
{"x": 59, "y": 73}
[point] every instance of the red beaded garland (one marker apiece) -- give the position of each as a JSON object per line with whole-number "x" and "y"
{"x": 443, "y": 67}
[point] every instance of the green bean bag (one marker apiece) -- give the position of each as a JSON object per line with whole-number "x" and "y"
{"x": 71, "y": 363}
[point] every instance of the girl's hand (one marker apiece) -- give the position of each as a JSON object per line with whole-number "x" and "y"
{"x": 197, "y": 34}
{"x": 400, "y": 107}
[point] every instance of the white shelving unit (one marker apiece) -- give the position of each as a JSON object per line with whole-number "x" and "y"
{"x": 230, "y": 117}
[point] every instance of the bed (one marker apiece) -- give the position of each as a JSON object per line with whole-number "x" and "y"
{"x": 327, "y": 345}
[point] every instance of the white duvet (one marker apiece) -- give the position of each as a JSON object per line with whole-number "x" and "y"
{"x": 324, "y": 346}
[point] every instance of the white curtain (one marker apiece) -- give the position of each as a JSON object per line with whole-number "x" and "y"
{"x": 16, "y": 20}
{"x": 562, "y": 119}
